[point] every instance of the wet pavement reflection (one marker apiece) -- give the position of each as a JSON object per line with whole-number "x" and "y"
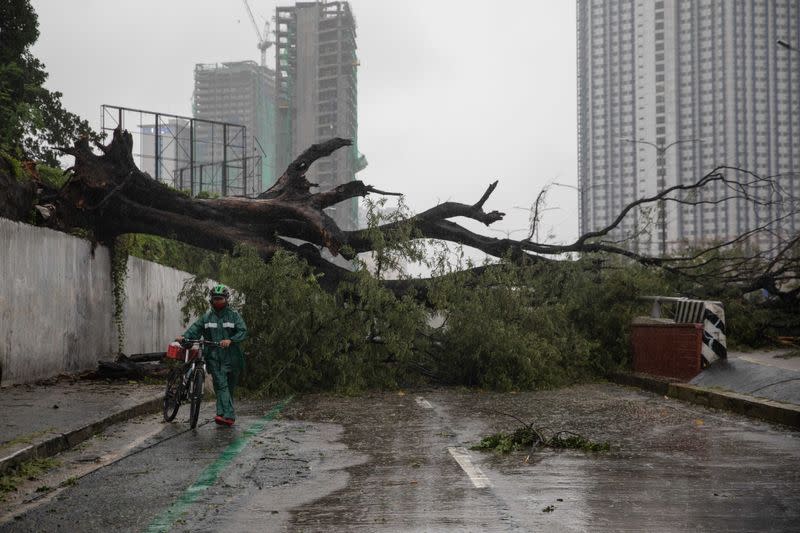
{"x": 395, "y": 461}
{"x": 672, "y": 466}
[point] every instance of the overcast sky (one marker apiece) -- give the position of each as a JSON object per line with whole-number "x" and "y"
{"x": 452, "y": 94}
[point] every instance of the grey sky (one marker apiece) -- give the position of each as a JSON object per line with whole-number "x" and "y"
{"x": 452, "y": 94}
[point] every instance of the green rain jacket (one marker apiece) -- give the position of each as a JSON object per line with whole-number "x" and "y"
{"x": 220, "y": 325}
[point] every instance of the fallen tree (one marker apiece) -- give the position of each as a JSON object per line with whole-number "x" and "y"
{"x": 109, "y": 196}
{"x": 533, "y": 318}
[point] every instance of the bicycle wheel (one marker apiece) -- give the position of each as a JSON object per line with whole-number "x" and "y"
{"x": 196, "y": 395}
{"x": 172, "y": 395}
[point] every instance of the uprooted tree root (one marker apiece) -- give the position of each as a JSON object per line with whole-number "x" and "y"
{"x": 530, "y": 437}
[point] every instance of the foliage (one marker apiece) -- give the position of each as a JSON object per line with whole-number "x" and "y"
{"x": 527, "y": 437}
{"x": 360, "y": 337}
{"x": 29, "y": 470}
{"x": 32, "y": 119}
{"x": 119, "y": 277}
{"x": 206, "y": 195}
{"x": 397, "y": 245}
{"x": 512, "y": 327}
{"x": 502, "y": 326}
{"x": 172, "y": 253}
{"x": 525, "y": 327}
{"x": 55, "y": 177}
{"x": 748, "y": 325}
{"x": 754, "y": 319}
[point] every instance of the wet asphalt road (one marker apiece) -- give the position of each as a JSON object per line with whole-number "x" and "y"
{"x": 400, "y": 462}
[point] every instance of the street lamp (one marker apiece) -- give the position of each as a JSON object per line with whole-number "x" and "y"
{"x": 508, "y": 232}
{"x": 581, "y": 192}
{"x": 661, "y": 151}
{"x": 532, "y": 213}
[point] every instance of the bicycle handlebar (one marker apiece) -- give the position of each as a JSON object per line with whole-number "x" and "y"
{"x": 199, "y": 341}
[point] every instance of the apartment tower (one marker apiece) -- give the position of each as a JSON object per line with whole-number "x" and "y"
{"x": 670, "y": 89}
{"x": 316, "y": 84}
{"x": 241, "y": 92}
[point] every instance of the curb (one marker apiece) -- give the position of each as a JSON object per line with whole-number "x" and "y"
{"x": 761, "y": 408}
{"x": 65, "y": 441}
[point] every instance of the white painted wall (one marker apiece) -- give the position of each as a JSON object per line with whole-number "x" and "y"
{"x": 152, "y": 312}
{"x": 57, "y": 304}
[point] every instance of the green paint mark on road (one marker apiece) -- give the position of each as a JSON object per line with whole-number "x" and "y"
{"x": 209, "y": 476}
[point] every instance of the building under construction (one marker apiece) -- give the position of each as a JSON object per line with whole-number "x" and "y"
{"x": 315, "y": 81}
{"x": 241, "y": 92}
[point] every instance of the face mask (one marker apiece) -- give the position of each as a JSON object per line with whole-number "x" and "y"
{"x": 219, "y": 305}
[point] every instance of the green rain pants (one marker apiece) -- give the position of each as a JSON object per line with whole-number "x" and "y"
{"x": 225, "y": 374}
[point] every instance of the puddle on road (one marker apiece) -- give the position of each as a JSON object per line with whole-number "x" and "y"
{"x": 286, "y": 466}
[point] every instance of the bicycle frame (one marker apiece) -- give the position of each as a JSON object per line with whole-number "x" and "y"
{"x": 187, "y": 383}
{"x": 190, "y": 365}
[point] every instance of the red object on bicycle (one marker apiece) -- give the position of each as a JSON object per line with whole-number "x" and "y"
{"x": 175, "y": 351}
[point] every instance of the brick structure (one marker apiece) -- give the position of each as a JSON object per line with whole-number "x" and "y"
{"x": 668, "y": 350}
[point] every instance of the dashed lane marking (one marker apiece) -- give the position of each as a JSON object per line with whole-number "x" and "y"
{"x": 422, "y": 402}
{"x": 462, "y": 457}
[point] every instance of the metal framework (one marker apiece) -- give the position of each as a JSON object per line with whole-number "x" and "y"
{"x": 195, "y": 155}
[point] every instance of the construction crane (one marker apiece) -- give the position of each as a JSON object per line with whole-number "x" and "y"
{"x": 263, "y": 40}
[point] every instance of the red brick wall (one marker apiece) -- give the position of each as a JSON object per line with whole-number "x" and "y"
{"x": 668, "y": 350}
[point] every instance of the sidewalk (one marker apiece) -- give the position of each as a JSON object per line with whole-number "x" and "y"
{"x": 761, "y": 384}
{"x": 41, "y": 420}
{"x": 763, "y": 374}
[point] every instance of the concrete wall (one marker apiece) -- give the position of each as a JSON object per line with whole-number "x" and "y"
{"x": 57, "y": 304}
{"x": 152, "y": 312}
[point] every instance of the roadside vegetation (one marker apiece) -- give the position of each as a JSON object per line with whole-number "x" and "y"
{"x": 506, "y": 327}
{"x": 27, "y": 471}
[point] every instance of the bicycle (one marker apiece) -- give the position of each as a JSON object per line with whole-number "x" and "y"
{"x": 185, "y": 382}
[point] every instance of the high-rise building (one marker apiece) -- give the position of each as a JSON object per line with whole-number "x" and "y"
{"x": 670, "y": 89}
{"x": 316, "y": 84}
{"x": 241, "y": 92}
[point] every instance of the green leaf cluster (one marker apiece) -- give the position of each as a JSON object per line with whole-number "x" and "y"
{"x": 511, "y": 327}
{"x": 172, "y": 253}
{"x": 32, "y": 120}
{"x": 532, "y": 327}
{"x": 526, "y": 437}
{"x": 29, "y": 470}
{"x": 303, "y": 338}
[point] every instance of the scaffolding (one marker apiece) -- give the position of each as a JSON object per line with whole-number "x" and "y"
{"x": 201, "y": 157}
{"x": 241, "y": 92}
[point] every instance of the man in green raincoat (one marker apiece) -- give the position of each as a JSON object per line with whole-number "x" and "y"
{"x": 223, "y": 325}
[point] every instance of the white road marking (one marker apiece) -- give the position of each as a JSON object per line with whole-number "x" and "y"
{"x": 422, "y": 402}
{"x": 462, "y": 457}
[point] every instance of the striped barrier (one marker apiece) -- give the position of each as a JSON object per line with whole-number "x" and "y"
{"x": 712, "y": 315}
